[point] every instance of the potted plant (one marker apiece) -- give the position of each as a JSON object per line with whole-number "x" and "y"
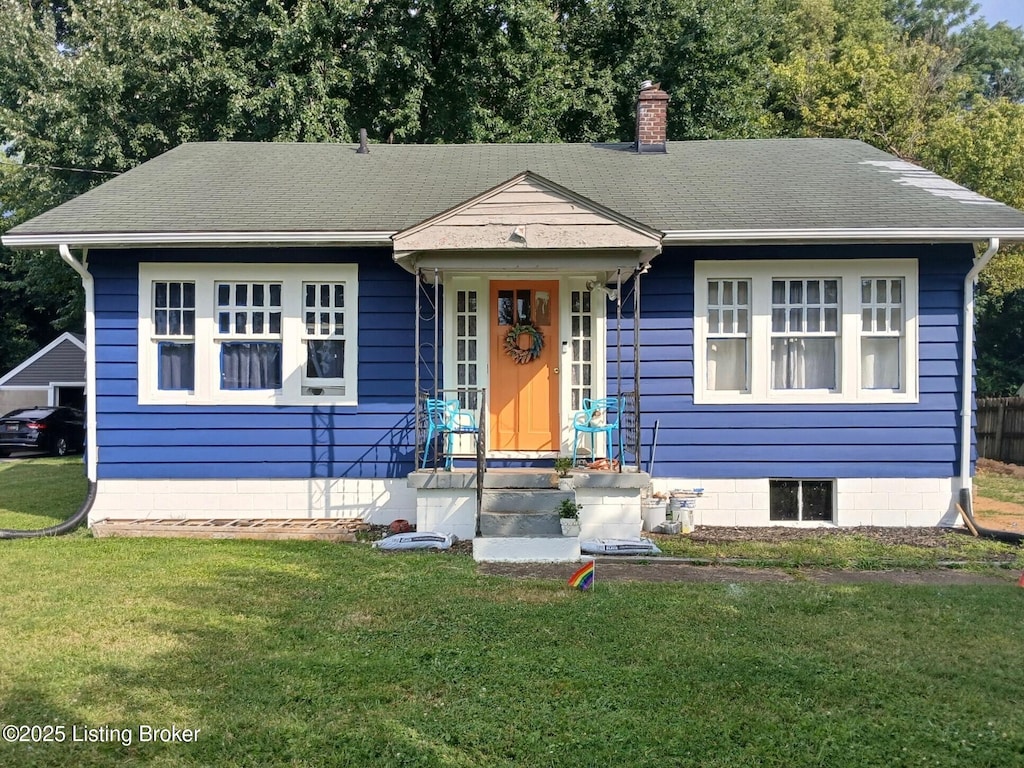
{"x": 562, "y": 465}
{"x": 569, "y": 517}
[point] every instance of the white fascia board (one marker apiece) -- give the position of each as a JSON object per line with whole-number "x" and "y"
{"x": 128, "y": 239}
{"x": 876, "y": 235}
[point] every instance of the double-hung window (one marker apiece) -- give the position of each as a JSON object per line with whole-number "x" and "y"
{"x": 174, "y": 332}
{"x": 809, "y": 331}
{"x": 247, "y": 333}
{"x": 805, "y": 333}
{"x": 323, "y": 338}
{"x": 728, "y": 335}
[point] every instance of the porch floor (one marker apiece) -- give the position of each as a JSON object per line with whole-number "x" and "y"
{"x": 340, "y": 529}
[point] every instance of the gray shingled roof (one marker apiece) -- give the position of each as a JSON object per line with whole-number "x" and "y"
{"x": 698, "y": 187}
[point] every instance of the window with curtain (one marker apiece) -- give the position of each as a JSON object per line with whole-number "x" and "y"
{"x": 174, "y": 328}
{"x": 323, "y": 335}
{"x": 728, "y": 338}
{"x": 805, "y": 333}
{"x": 249, "y": 331}
{"x": 881, "y": 340}
{"x": 244, "y": 333}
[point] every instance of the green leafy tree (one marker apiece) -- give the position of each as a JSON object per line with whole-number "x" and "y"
{"x": 849, "y": 74}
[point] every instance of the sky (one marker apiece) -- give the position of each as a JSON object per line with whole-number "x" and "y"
{"x": 1002, "y": 10}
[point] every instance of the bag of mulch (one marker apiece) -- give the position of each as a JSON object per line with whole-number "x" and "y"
{"x": 425, "y": 540}
{"x": 636, "y": 546}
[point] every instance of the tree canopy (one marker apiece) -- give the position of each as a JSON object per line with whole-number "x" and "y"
{"x": 91, "y": 88}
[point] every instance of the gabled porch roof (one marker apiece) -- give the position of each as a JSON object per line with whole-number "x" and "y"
{"x": 527, "y": 214}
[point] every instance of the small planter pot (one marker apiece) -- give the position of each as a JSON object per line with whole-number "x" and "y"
{"x": 566, "y": 484}
{"x": 570, "y": 526}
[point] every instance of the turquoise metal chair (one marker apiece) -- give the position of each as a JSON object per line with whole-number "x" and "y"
{"x": 598, "y": 415}
{"x": 446, "y": 418}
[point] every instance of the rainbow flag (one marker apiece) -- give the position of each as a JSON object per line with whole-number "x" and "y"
{"x": 583, "y": 578}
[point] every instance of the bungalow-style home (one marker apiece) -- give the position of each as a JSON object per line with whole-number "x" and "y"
{"x": 55, "y": 375}
{"x": 786, "y": 324}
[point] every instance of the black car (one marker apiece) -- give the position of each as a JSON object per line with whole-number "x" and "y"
{"x": 57, "y": 430}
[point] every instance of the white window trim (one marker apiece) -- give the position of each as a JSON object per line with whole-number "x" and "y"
{"x": 761, "y": 273}
{"x": 207, "y": 361}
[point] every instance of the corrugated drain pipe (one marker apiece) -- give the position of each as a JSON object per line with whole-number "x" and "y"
{"x": 60, "y": 529}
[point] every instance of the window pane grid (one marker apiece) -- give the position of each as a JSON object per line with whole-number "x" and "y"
{"x": 323, "y": 310}
{"x": 882, "y": 306}
{"x": 249, "y": 310}
{"x": 174, "y": 309}
{"x": 467, "y": 345}
{"x": 728, "y": 308}
{"x": 805, "y": 307}
{"x": 581, "y": 362}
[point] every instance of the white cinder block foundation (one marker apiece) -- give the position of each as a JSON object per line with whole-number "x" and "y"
{"x": 609, "y": 513}
{"x": 376, "y": 501}
{"x": 886, "y": 502}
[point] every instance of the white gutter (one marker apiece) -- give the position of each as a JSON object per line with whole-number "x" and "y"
{"x": 875, "y": 234}
{"x": 966, "y": 386}
{"x": 384, "y": 237}
{"x": 91, "y": 445}
{"x": 126, "y": 239}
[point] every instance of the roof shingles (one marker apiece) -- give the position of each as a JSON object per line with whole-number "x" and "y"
{"x": 701, "y": 186}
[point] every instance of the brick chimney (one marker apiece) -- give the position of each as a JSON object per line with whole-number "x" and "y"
{"x": 651, "y": 118}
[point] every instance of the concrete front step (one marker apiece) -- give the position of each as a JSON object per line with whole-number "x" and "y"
{"x": 521, "y": 512}
{"x": 519, "y": 524}
{"x": 526, "y": 549}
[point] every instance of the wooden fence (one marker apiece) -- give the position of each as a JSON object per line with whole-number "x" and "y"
{"x": 1000, "y": 430}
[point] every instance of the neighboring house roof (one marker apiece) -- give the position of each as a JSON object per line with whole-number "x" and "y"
{"x": 63, "y": 359}
{"x": 699, "y": 191}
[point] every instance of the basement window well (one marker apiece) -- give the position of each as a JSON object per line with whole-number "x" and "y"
{"x": 801, "y": 500}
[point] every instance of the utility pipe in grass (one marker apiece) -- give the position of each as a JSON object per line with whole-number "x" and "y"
{"x": 60, "y": 529}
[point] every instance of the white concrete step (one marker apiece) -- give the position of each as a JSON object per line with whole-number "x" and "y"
{"x": 526, "y": 549}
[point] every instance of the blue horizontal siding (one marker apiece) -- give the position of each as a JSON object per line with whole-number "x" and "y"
{"x": 842, "y": 440}
{"x": 375, "y": 438}
{"x": 372, "y": 439}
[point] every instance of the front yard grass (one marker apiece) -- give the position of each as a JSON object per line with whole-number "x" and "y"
{"x": 310, "y": 654}
{"x": 38, "y": 493}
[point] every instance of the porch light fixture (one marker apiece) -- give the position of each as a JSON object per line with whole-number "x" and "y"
{"x": 611, "y": 293}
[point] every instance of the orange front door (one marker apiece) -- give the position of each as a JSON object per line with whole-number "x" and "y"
{"x": 524, "y": 392}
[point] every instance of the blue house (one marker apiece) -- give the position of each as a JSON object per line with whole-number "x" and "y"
{"x": 784, "y": 322}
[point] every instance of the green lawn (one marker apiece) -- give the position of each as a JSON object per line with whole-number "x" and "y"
{"x": 309, "y": 654}
{"x": 37, "y": 493}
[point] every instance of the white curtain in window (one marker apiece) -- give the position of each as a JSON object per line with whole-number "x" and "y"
{"x": 727, "y": 364}
{"x": 804, "y": 363}
{"x": 880, "y": 363}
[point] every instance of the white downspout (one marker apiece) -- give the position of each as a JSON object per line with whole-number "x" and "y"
{"x": 91, "y": 447}
{"x": 967, "y": 388}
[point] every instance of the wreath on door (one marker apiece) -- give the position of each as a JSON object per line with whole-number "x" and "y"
{"x": 517, "y": 353}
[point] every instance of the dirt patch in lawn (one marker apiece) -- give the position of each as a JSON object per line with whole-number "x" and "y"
{"x": 667, "y": 569}
{"x": 660, "y": 571}
{"x": 993, "y": 513}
